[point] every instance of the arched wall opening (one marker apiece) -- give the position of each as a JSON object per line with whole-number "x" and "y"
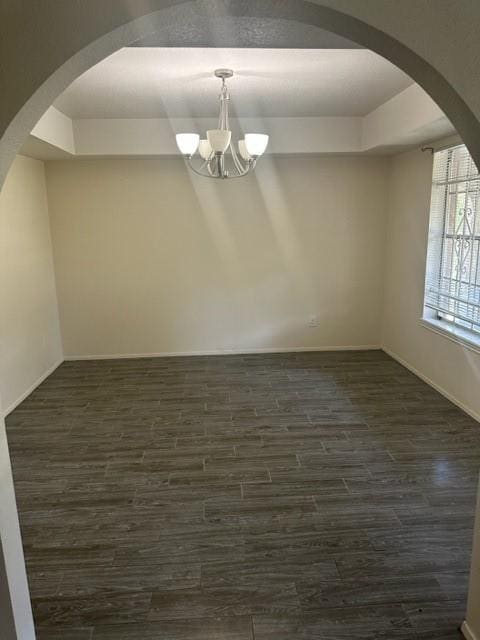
{"x": 34, "y": 95}
{"x": 102, "y": 40}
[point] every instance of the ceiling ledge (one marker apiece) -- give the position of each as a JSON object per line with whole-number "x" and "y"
{"x": 55, "y": 129}
{"x": 406, "y": 120}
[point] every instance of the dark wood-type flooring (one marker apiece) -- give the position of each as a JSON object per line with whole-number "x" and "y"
{"x": 307, "y": 496}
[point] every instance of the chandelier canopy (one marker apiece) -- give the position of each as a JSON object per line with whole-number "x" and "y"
{"x": 218, "y": 156}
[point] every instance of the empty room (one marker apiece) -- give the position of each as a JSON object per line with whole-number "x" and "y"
{"x": 240, "y": 328}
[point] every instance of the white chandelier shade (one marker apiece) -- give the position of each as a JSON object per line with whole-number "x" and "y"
{"x": 217, "y": 151}
{"x": 188, "y": 143}
{"x": 256, "y": 143}
{"x": 204, "y": 149}
{"x": 219, "y": 140}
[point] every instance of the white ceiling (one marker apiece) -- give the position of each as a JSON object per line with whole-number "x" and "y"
{"x": 153, "y": 82}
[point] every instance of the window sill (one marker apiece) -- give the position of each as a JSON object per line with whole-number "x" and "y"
{"x": 453, "y": 333}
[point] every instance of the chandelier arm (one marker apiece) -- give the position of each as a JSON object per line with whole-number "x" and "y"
{"x": 227, "y": 124}
{"x": 225, "y": 113}
{"x": 202, "y": 166}
{"x": 243, "y": 170}
{"x": 236, "y": 160}
{"x": 221, "y": 166}
{"x": 244, "y": 173}
{"x": 238, "y": 165}
{"x": 218, "y": 176}
{"x": 219, "y": 125}
{"x": 220, "y": 115}
{"x": 213, "y": 166}
{"x": 188, "y": 160}
{"x": 209, "y": 169}
{"x": 207, "y": 164}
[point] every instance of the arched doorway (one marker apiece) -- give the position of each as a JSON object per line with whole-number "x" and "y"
{"x": 97, "y": 34}
{"x": 87, "y": 38}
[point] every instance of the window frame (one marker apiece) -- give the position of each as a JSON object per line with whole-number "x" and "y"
{"x": 431, "y": 317}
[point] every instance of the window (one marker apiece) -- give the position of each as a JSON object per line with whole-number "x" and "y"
{"x": 452, "y": 285}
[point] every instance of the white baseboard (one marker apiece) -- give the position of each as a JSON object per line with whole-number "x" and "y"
{"x": 467, "y": 632}
{"x": 218, "y": 352}
{"x": 433, "y": 384}
{"x": 223, "y": 352}
{"x": 32, "y": 387}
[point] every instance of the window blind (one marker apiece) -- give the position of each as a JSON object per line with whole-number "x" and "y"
{"x": 452, "y": 285}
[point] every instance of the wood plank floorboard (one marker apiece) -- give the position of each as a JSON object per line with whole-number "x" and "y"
{"x": 301, "y": 496}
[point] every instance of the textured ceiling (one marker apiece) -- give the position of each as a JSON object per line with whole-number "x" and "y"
{"x": 241, "y": 31}
{"x": 143, "y": 82}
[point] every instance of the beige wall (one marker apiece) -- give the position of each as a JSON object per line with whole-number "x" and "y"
{"x": 451, "y": 367}
{"x": 448, "y": 365}
{"x": 29, "y": 329}
{"x": 150, "y": 259}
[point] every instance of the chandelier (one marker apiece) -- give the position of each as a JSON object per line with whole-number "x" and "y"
{"x": 214, "y": 160}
